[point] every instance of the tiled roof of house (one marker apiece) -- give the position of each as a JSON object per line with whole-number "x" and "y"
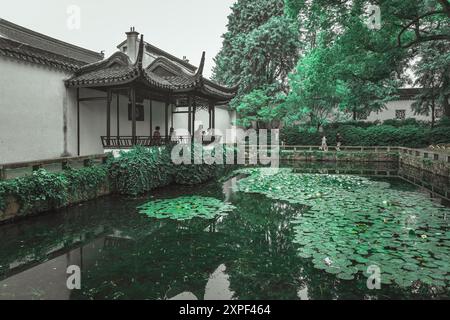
{"x": 17, "y": 50}
{"x": 409, "y": 93}
{"x": 155, "y": 50}
{"x": 118, "y": 69}
{"x": 37, "y": 40}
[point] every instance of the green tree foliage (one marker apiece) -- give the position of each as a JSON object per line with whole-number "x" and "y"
{"x": 433, "y": 75}
{"x": 246, "y": 16}
{"x": 259, "y": 50}
{"x": 356, "y": 69}
{"x": 413, "y": 22}
{"x": 261, "y": 106}
{"x": 347, "y": 66}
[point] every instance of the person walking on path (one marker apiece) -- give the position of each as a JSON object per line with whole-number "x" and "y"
{"x": 324, "y": 146}
{"x": 339, "y": 141}
{"x": 156, "y": 138}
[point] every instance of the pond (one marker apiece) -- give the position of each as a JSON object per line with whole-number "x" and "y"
{"x": 259, "y": 235}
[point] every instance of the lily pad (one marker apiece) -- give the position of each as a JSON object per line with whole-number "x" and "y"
{"x": 185, "y": 208}
{"x": 359, "y": 222}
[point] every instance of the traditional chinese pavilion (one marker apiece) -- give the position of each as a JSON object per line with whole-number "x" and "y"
{"x": 181, "y": 88}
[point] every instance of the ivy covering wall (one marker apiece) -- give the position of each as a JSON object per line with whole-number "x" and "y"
{"x": 135, "y": 172}
{"x": 43, "y": 190}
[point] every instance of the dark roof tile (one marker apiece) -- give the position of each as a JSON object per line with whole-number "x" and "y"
{"x": 14, "y": 49}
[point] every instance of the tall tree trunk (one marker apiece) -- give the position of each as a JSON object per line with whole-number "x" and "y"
{"x": 433, "y": 112}
{"x": 446, "y": 106}
{"x": 354, "y": 116}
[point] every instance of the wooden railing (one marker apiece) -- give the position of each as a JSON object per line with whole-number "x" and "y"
{"x": 126, "y": 142}
{"x": 38, "y": 164}
{"x": 342, "y": 148}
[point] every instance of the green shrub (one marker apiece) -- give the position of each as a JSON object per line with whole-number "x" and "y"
{"x": 85, "y": 183}
{"x": 141, "y": 170}
{"x": 41, "y": 190}
{"x": 410, "y": 133}
{"x": 194, "y": 174}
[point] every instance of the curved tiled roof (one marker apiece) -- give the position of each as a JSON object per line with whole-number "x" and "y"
{"x": 21, "y": 51}
{"x": 119, "y": 70}
{"x": 34, "y": 39}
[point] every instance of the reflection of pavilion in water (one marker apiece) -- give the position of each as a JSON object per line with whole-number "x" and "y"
{"x": 239, "y": 256}
{"x": 29, "y": 278}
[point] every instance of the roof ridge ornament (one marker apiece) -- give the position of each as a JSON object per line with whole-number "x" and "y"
{"x": 140, "y": 56}
{"x": 199, "y": 73}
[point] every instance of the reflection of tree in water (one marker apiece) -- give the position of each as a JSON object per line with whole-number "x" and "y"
{"x": 178, "y": 257}
{"x": 255, "y": 244}
{"x": 264, "y": 263}
{"x": 165, "y": 258}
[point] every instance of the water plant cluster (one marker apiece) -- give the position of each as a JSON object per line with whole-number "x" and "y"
{"x": 186, "y": 208}
{"x": 135, "y": 172}
{"x": 43, "y": 190}
{"x": 354, "y": 222}
{"x": 144, "y": 169}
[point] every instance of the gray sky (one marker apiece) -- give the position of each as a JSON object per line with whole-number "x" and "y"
{"x": 181, "y": 27}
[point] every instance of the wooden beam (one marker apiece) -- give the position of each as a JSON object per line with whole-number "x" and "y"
{"x": 133, "y": 115}
{"x": 94, "y": 99}
{"x": 78, "y": 122}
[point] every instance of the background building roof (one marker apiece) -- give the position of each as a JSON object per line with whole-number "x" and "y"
{"x": 37, "y": 40}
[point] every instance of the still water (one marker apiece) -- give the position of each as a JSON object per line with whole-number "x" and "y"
{"x": 248, "y": 254}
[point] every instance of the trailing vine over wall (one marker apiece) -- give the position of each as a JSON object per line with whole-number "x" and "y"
{"x": 142, "y": 170}
{"x": 43, "y": 190}
{"x": 135, "y": 172}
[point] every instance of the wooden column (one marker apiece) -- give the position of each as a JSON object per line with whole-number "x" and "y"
{"x": 194, "y": 110}
{"x": 118, "y": 117}
{"x": 213, "y": 117}
{"x": 210, "y": 107}
{"x": 108, "y": 117}
{"x": 166, "y": 113}
{"x": 190, "y": 115}
{"x": 78, "y": 121}
{"x": 151, "y": 117}
{"x": 133, "y": 115}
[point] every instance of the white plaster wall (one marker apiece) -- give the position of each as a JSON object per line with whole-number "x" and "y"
{"x": 93, "y": 120}
{"x": 31, "y": 111}
{"x": 389, "y": 112}
{"x": 224, "y": 119}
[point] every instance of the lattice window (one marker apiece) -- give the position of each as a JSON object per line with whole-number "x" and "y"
{"x": 400, "y": 114}
{"x": 363, "y": 115}
{"x": 439, "y": 112}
